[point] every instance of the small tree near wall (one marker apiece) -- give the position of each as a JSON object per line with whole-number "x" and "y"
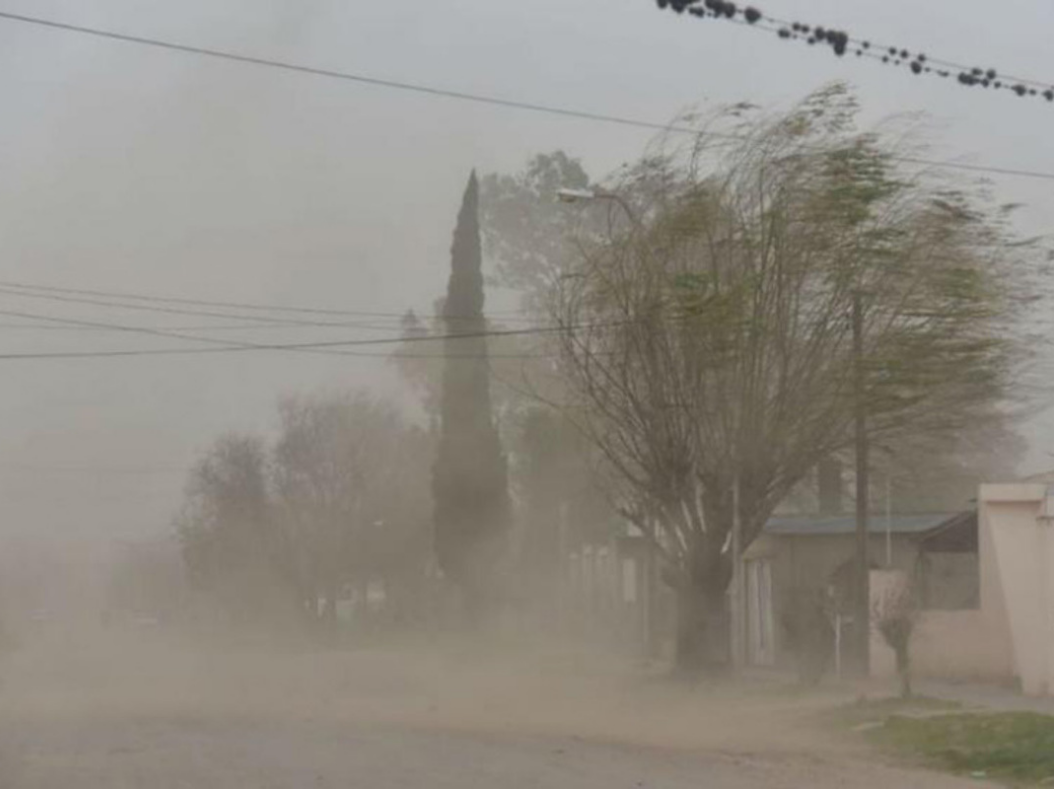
{"x": 895, "y": 614}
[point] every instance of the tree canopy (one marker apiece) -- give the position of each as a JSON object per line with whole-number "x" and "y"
{"x": 709, "y": 348}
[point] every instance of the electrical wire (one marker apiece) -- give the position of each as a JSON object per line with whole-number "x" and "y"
{"x": 461, "y": 95}
{"x": 100, "y": 470}
{"x": 303, "y": 347}
{"x": 237, "y": 305}
{"x": 840, "y": 41}
{"x": 195, "y": 327}
{"x": 335, "y": 347}
{"x": 261, "y": 320}
{"x": 265, "y": 321}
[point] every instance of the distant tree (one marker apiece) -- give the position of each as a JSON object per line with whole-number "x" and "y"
{"x": 420, "y": 364}
{"x": 926, "y": 472}
{"x": 526, "y": 231}
{"x": 929, "y": 471}
{"x": 470, "y": 478}
{"x": 562, "y": 503}
{"x": 351, "y": 487}
{"x": 400, "y": 553}
{"x": 232, "y": 544}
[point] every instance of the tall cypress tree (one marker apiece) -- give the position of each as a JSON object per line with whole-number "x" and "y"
{"x": 470, "y": 476}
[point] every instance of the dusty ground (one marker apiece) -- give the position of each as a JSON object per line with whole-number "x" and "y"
{"x": 85, "y": 713}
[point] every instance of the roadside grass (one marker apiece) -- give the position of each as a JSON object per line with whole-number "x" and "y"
{"x": 1014, "y": 748}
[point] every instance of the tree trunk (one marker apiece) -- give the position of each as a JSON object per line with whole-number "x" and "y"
{"x": 904, "y": 671}
{"x": 328, "y": 615}
{"x": 702, "y": 643}
{"x": 688, "y": 651}
{"x": 362, "y": 603}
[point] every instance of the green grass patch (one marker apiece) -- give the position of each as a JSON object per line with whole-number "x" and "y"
{"x": 1014, "y": 747}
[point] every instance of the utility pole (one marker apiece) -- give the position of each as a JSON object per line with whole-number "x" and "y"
{"x": 889, "y": 521}
{"x": 862, "y": 601}
{"x": 737, "y": 598}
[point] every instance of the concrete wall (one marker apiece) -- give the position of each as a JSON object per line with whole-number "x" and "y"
{"x": 957, "y": 645}
{"x": 1017, "y": 578}
{"x": 961, "y": 645}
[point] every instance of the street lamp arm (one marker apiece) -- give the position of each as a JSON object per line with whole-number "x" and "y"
{"x": 589, "y": 195}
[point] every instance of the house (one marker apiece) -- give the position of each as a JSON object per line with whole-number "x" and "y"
{"x": 810, "y": 560}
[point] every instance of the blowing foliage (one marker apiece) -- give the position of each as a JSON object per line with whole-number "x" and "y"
{"x": 708, "y": 348}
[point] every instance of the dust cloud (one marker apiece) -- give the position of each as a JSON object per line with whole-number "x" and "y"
{"x": 89, "y": 706}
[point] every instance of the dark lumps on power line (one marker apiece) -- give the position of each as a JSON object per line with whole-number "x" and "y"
{"x": 839, "y": 42}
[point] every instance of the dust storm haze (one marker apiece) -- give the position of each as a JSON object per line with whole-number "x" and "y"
{"x": 316, "y": 467}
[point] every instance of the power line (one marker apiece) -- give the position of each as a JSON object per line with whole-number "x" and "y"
{"x": 461, "y": 95}
{"x": 228, "y": 346}
{"x": 840, "y": 42}
{"x": 262, "y": 320}
{"x": 101, "y": 470}
{"x": 213, "y": 327}
{"x": 18, "y": 288}
{"x": 302, "y": 347}
{"x": 320, "y": 72}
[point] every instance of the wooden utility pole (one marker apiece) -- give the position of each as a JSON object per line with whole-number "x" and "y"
{"x": 737, "y": 598}
{"x": 862, "y": 596}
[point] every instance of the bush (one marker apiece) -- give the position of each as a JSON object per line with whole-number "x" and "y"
{"x": 895, "y": 615}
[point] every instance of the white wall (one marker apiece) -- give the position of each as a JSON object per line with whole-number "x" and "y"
{"x": 1017, "y": 577}
{"x": 971, "y": 645}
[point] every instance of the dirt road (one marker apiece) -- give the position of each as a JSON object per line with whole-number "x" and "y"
{"x": 164, "y": 754}
{"x": 159, "y": 717}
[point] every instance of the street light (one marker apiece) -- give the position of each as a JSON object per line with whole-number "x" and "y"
{"x": 592, "y": 195}
{"x": 575, "y": 195}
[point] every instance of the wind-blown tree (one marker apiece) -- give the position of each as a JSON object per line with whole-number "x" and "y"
{"x": 470, "y": 477}
{"x": 350, "y": 479}
{"x": 940, "y": 473}
{"x": 526, "y": 232}
{"x": 232, "y": 545}
{"x": 708, "y": 350}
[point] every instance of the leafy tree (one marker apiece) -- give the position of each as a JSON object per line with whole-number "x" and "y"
{"x": 470, "y": 478}
{"x": 708, "y": 351}
{"x": 232, "y": 544}
{"x": 350, "y": 479}
{"x": 526, "y": 231}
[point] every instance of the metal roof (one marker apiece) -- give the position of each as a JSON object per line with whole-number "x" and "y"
{"x": 846, "y": 524}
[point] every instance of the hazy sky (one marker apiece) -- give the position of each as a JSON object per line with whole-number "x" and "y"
{"x": 124, "y": 168}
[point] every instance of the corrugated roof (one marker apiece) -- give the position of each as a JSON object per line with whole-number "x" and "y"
{"x": 846, "y": 524}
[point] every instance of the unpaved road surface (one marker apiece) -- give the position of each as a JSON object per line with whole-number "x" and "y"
{"x": 160, "y": 717}
{"x": 163, "y": 754}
